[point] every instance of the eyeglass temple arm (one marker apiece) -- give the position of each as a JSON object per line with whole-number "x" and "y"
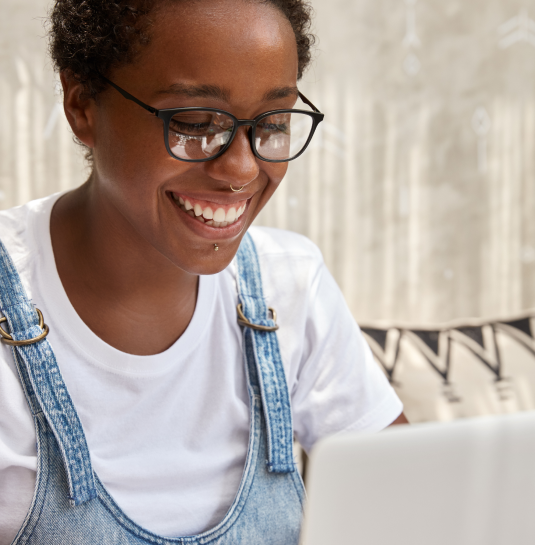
{"x": 307, "y": 102}
{"x": 154, "y": 111}
{"x": 128, "y": 96}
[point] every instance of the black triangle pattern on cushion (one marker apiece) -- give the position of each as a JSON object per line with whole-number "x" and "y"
{"x": 378, "y": 335}
{"x": 523, "y": 325}
{"x": 489, "y": 355}
{"x": 474, "y": 333}
{"x": 430, "y": 338}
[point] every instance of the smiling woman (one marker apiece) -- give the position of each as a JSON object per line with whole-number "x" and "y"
{"x": 165, "y": 399}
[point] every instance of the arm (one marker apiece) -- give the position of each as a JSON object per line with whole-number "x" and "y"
{"x": 401, "y": 419}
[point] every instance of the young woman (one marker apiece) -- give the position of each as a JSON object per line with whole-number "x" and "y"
{"x": 155, "y": 398}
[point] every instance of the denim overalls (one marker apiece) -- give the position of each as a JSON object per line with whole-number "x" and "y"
{"x": 72, "y": 507}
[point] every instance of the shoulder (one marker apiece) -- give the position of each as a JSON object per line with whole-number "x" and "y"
{"x": 290, "y": 263}
{"x": 15, "y": 224}
{"x": 20, "y": 227}
{"x": 278, "y": 245}
{"x": 13, "y": 230}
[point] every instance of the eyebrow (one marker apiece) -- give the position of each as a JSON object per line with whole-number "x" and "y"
{"x": 281, "y": 92}
{"x": 196, "y": 91}
{"x": 219, "y": 93}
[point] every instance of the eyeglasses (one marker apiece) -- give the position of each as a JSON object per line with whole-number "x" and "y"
{"x": 196, "y": 135}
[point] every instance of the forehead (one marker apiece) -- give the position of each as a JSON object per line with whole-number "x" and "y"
{"x": 244, "y": 47}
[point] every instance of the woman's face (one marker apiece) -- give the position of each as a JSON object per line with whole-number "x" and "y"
{"x": 229, "y": 54}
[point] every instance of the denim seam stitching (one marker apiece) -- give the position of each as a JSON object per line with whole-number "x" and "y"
{"x": 68, "y": 412}
{"x": 269, "y": 363}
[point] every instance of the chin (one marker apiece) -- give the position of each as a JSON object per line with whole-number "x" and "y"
{"x": 207, "y": 261}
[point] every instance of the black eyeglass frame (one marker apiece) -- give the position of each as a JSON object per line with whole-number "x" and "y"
{"x": 167, "y": 114}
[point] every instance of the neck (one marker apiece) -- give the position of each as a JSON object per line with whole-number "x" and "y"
{"x": 122, "y": 287}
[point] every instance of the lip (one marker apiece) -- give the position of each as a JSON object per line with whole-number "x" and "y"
{"x": 208, "y": 232}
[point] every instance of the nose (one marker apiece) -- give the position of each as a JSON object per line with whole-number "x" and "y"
{"x": 237, "y": 166}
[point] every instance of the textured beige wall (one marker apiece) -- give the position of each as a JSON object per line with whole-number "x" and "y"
{"x": 37, "y": 155}
{"x": 419, "y": 187}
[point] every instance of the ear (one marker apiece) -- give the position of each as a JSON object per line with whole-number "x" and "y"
{"x": 79, "y": 109}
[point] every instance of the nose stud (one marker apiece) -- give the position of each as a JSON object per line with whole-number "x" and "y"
{"x": 237, "y": 190}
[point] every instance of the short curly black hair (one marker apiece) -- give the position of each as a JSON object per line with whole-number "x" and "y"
{"x": 90, "y": 37}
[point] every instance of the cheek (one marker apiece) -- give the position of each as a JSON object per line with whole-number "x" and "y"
{"x": 133, "y": 169}
{"x": 275, "y": 173}
{"x": 127, "y": 146}
{"x": 130, "y": 157}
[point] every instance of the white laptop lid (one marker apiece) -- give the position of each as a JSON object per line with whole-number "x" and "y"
{"x": 469, "y": 482}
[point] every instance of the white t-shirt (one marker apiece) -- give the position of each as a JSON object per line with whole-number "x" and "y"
{"x": 168, "y": 433}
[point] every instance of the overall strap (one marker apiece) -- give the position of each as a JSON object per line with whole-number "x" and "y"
{"x": 43, "y": 383}
{"x": 265, "y": 346}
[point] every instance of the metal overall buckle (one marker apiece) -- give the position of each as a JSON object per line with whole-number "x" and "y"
{"x": 242, "y": 320}
{"x": 8, "y": 339}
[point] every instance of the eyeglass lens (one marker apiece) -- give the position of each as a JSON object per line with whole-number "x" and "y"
{"x": 201, "y": 134}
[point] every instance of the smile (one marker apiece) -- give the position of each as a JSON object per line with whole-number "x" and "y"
{"x": 211, "y": 214}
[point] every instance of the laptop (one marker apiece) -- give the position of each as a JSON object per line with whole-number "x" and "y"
{"x": 468, "y": 482}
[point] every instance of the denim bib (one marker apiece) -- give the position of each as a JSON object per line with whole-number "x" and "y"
{"x": 70, "y": 504}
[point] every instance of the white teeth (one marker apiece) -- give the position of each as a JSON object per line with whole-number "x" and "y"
{"x": 219, "y": 215}
{"x": 231, "y": 215}
{"x": 219, "y": 218}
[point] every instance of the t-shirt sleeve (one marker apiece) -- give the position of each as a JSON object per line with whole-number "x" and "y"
{"x": 339, "y": 386}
